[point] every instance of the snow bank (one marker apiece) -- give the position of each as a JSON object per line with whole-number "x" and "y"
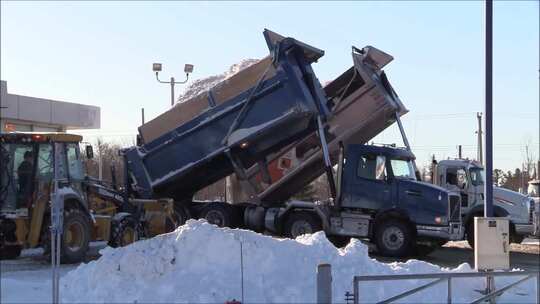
{"x": 202, "y": 85}
{"x": 200, "y": 263}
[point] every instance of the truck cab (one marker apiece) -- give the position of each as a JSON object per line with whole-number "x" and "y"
{"x": 466, "y": 177}
{"x": 533, "y": 191}
{"x": 380, "y": 199}
{"x": 381, "y": 181}
{"x": 383, "y": 178}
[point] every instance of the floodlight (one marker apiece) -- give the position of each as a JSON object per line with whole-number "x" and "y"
{"x": 156, "y": 67}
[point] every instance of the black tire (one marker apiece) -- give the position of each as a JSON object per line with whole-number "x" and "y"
{"x": 181, "y": 215}
{"x": 394, "y": 238}
{"x": 219, "y": 214}
{"x": 469, "y": 231}
{"x": 514, "y": 237}
{"x": 124, "y": 231}
{"x": 301, "y": 222}
{"x": 9, "y": 249}
{"x": 339, "y": 241}
{"x": 76, "y": 236}
{"x": 10, "y": 252}
{"x": 425, "y": 250}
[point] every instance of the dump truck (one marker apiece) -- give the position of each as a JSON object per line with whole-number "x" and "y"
{"x": 466, "y": 177}
{"x": 93, "y": 209}
{"x": 278, "y": 105}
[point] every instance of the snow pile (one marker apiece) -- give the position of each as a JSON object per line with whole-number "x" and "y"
{"x": 202, "y": 85}
{"x": 200, "y": 263}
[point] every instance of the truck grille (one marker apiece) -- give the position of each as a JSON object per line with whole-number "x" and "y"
{"x": 531, "y": 210}
{"x": 454, "y": 208}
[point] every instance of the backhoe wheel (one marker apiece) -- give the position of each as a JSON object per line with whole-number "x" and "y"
{"x": 9, "y": 249}
{"x": 300, "y": 223}
{"x": 124, "y": 232}
{"x": 76, "y": 236}
{"x": 219, "y": 214}
{"x": 179, "y": 218}
{"x": 394, "y": 238}
{"x": 10, "y": 252}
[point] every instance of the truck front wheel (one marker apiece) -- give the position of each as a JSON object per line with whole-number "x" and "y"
{"x": 394, "y": 238}
{"x": 299, "y": 223}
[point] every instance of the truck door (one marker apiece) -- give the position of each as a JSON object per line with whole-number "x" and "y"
{"x": 366, "y": 183}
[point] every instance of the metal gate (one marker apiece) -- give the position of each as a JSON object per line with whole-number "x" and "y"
{"x": 490, "y": 295}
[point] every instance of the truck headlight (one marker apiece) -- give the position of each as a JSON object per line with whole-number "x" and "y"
{"x": 441, "y": 220}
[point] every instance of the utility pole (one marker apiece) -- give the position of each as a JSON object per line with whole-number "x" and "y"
{"x": 459, "y": 152}
{"x": 479, "y": 153}
{"x": 142, "y": 116}
{"x": 488, "y": 112}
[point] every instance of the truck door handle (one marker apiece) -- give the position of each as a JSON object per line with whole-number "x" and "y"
{"x": 413, "y": 193}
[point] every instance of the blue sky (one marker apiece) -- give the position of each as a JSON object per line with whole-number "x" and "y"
{"x": 100, "y": 53}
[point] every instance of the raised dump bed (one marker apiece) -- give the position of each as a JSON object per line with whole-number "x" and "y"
{"x": 363, "y": 104}
{"x": 239, "y": 127}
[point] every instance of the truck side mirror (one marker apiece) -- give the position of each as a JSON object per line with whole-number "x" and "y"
{"x": 89, "y": 152}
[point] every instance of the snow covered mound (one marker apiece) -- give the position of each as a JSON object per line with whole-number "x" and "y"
{"x": 200, "y": 263}
{"x": 204, "y": 84}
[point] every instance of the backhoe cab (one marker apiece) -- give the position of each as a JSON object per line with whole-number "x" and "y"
{"x": 26, "y": 180}
{"x": 93, "y": 210}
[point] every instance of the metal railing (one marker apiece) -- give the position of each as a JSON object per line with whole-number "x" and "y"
{"x": 490, "y": 295}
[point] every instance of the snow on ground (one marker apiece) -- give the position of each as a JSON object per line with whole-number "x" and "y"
{"x": 200, "y": 263}
{"x": 28, "y": 286}
{"x": 202, "y": 85}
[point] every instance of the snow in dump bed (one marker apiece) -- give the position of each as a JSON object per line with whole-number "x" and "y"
{"x": 202, "y": 85}
{"x": 200, "y": 263}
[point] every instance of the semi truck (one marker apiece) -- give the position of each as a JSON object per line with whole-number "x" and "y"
{"x": 281, "y": 106}
{"x": 466, "y": 177}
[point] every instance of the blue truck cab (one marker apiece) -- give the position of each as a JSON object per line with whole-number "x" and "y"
{"x": 380, "y": 199}
{"x": 383, "y": 178}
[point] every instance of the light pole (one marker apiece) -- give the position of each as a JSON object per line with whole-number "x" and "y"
{"x": 188, "y": 68}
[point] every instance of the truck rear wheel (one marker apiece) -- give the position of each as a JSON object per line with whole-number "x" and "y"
{"x": 219, "y": 214}
{"x": 394, "y": 238}
{"x": 339, "y": 241}
{"x": 300, "y": 223}
{"x": 124, "y": 232}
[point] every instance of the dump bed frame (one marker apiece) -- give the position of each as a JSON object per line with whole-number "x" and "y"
{"x": 237, "y": 133}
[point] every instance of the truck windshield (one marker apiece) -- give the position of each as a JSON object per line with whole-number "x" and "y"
{"x": 403, "y": 168}
{"x": 477, "y": 176}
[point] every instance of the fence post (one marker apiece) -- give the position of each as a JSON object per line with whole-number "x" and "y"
{"x": 537, "y": 287}
{"x": 449, "y": 295}
{"x": 324, "y": 284}
{"x": 356, "y": 290}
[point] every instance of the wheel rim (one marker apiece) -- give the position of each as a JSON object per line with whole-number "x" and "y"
{"x": 393, "y": 238}
{"x": 215, "y": 217}
{"x": 301, "y": 227}
{"x": 74, "y": 237}
{"x": 128, "y": 236}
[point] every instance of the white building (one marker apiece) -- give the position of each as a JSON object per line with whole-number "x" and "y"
{"x": 24, "y": 113}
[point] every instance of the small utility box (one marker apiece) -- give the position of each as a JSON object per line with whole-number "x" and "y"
{"x": 492, "y": 248}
